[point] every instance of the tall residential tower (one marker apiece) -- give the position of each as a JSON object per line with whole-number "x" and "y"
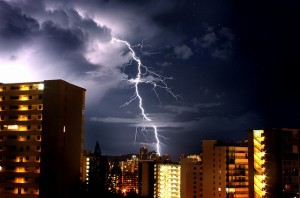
{"x": 41, "y": 137}
{"x": 274, "y": 163}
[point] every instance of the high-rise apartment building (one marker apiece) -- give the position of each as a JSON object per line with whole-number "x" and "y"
{"x": 274, "y": 163}
{"x": 191, "y": 176}
{"x": 41, "y": 137}
{"x": 167, "y": 180}
{"x": 225, "y": 169}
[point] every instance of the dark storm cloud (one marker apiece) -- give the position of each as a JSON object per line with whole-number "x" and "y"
{"x": 218, "y": 42}
{"x": 15, "y": 27}
{"x": 60, "y": 35}
{"x": 64, "y": 40}
{"x": 69, "y": 18}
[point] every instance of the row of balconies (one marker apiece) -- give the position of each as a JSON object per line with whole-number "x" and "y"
{"x": 27, "y": 157}
{"x": 32, "y": 192}
{"x": 15, "y": 170}
{"x": 25, "y": 107}
{"x": 30, "y": 117}
{"x": 22, "y": 87}
{"x": 15, "y": 127}
{"x": 27, "y": 179}
{"x": 15, "y": 97}
{"x": 7, "y": 139}
{"x": 16, "y": 149}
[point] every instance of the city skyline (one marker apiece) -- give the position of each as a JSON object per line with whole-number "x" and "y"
{"x": 234, "y": 65}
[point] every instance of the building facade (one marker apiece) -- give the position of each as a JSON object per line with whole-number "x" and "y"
{"x": 41, "y": 137}
{"x": 167, "y": 180}
{"x": 225, "y": 169}
{"x": 274, "y": 163}
{"x": 146, "y": 178}
{"x": 191, "y": 176}
{"x": 130, "y": 175}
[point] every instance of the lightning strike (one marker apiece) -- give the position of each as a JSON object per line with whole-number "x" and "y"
{"x": 145, "y": 75}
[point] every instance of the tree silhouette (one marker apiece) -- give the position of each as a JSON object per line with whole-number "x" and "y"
{"x": 98, "y": 173}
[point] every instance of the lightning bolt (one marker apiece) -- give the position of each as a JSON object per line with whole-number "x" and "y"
{"x": 145, "y": 75}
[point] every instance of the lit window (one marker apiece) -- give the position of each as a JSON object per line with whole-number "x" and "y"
{"x": 41, "y": 87}
{"x": 12, "y": 126}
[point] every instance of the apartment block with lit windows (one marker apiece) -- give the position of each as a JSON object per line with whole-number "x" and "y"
{"x": 274, "y": 163}
{"x": 41, "y": 136}
{"x": 130, "y": 175}
{"x": 167, "y": 180}
{"x": 225, "y": 169}
{"x": 85, "y": 166}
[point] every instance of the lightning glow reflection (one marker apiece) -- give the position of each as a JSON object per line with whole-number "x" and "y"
{"x": 149, "y": 77}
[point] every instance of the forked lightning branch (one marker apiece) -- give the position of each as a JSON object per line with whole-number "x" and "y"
{"x": 145, "y": 75}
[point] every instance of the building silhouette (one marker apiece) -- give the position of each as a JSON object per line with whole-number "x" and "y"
{"x": 41, "y": 138}
{"x": 274, "y": 162}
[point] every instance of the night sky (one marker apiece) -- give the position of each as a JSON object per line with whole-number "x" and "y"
{"x": 233, "y": 65}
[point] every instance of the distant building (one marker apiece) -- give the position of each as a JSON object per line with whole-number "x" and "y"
{"x": 143, "y": 153}
{"x": 41, "y": 137}
{"x": 274, "y": 163}
{"x": 225, "y": 169}
{"x": 167, "y": 180}
{"x": 129, "y": 175}
{"x": 85, "y": 166}
{"x": 115, "y": 178}
{"x": 191, "y": 176}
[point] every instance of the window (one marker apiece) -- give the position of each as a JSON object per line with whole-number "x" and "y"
{"x": 15, "y": 117}
{"x": 14, "y": 88}
{"x": 14, "y": 107}
{"x": 12, "y": 137}
{"x": 14, "y": 97}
